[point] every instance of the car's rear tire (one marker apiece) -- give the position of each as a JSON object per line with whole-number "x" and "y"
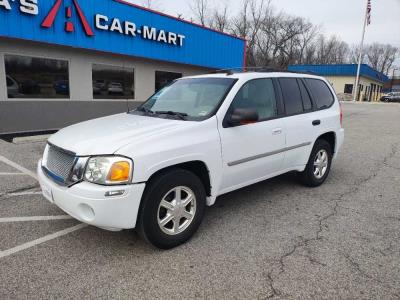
{"x": 172, "y": 208}
{"x": 319, "y": 164}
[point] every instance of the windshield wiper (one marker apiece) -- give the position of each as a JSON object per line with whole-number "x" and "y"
{"x": 145, "y": 110}
{"x": 180, "y": 115}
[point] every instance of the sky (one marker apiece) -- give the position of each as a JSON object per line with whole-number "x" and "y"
{"x": 343, "y": 18}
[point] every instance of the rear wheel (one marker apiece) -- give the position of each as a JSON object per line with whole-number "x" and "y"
{"x": 319, "y": 164}
{"x": 172, "y": 209}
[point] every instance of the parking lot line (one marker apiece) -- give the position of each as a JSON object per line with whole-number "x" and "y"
{"x": 31, "y": 219}
{"x": 18, "y": 167}
{"x": 21, "y": 194}
{"x": 12, "y": 174}
{"x": 41, "y": 240}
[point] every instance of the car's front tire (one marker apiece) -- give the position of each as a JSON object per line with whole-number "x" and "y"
{"x": 172, "y": 208}
{"x": 319, "y": 164}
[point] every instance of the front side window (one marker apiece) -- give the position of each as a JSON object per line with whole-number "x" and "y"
{"x": 113, "y": 82}
{"x": 258, "y": 94}
{"x": 34, "y": 77}
{"x": 291, "y": 96}
{"x": 322, "y": 95}
{"x": 193, "y": 98}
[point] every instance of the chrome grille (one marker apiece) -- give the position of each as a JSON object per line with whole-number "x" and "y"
{"x": 59, "y": 162}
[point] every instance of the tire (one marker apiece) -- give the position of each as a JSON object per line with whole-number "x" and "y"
{"x": 310, "y": 176}
{"x": 154, "y": 210}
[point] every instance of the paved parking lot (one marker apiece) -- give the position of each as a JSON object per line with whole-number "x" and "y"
{"x": 276, "y": 239}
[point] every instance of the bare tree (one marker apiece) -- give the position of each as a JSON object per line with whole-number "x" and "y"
{"x": 278, "y": 39}
{"x": 220, "y": 20}
{"x": 331, "y": 51}
{"x": 381, "y": 57}
{"x": 248, "y": 24}
{"x": 152, "y": 4}
{"x": 200, "y": 10}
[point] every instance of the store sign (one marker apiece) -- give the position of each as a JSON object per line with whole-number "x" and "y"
{"x": 102, "y": 22}
{"x": 25, "y": 6}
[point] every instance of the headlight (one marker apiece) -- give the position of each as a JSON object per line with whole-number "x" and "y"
{"x": 109, "y": 170}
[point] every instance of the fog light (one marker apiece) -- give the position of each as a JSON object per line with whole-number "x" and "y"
{"x": 86, "y": 212}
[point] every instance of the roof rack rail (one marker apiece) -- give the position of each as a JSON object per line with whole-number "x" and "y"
{"x": 266, "y": 69}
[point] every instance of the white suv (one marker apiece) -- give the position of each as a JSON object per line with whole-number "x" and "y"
{"x": 156, "y": 168}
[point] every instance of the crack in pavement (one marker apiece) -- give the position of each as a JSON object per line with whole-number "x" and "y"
{"x": 322, "y": 224}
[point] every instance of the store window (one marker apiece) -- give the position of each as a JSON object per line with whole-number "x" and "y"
{"x": 113, "y": 82}
{"x": 164, "y": 78}
{"x": 348, "y": 89}
{"x": 34, "y": 77}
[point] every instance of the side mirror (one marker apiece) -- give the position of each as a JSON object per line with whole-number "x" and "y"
{"x": 242, "y": 116}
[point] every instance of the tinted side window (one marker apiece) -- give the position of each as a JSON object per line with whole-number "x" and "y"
{"x": 291, "y": 96}
{"x": 321, "y": 93}
{"x": 307, "y": 104}
{"x": 258, "y": 94}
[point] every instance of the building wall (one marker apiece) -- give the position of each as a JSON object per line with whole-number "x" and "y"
{"x": 339, "y": 83}
{"x": 22, "y": 115}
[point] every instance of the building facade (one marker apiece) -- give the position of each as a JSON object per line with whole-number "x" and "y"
{"x": 342, "y": 78}
{"x": 65, "y": 61}
{"x": 393, "y": 85}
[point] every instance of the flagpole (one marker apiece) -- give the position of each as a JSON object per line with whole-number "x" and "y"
{"x": 361, "y": 53}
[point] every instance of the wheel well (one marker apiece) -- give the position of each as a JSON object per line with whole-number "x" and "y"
{"x": 330, "y": 137}
{"x": 198, "y": 168}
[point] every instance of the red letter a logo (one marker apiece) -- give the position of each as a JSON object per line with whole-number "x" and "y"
{"x": 69, "y": 27}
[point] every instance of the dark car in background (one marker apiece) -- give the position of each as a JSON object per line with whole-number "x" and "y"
{"x": 391, "y": 97}
{"x": 62, "y": 87}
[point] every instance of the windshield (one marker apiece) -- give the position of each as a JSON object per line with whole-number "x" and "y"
{"x": 192, "y": 98}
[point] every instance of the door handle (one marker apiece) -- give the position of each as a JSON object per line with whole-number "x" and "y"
{"x": 277, "y": 131}
{"x": 316, "y": 122}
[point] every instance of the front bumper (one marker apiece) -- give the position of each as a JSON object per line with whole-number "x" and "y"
{"x": 87, "y": 202}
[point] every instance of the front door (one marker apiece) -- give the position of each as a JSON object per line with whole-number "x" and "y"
{"x": 253, "y": 152}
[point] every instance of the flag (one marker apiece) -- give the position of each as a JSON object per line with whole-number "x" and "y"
{"x": 369, "y": 9}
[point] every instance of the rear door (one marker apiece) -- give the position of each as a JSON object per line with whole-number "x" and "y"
{"x": 300, "y": 122}
{"x": 252, "y": 152}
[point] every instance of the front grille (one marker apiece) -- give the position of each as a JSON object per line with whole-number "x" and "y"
{"x": 59, "y": 162}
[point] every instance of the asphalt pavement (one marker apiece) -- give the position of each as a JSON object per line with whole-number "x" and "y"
{"x": 276, "y": 239}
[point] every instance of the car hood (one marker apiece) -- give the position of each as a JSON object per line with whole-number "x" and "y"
{"x": 107, "y": 135}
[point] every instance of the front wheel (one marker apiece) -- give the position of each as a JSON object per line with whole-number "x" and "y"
{"x": 319, "y": 164}
{"x": 172, "y": 209}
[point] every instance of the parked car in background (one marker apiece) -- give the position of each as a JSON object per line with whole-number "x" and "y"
{"x": 391, "y": 97}
{"x": 156, "y": 168}
{"x": 115, "y": 88}
{"x": 62, "y": 87}
{"x": 12, "y": 87}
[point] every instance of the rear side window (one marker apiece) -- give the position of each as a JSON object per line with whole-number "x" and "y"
{"x": 322, "y": 95}
{"x": 307, "y": 104}
{"x": 291, "y": 96}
